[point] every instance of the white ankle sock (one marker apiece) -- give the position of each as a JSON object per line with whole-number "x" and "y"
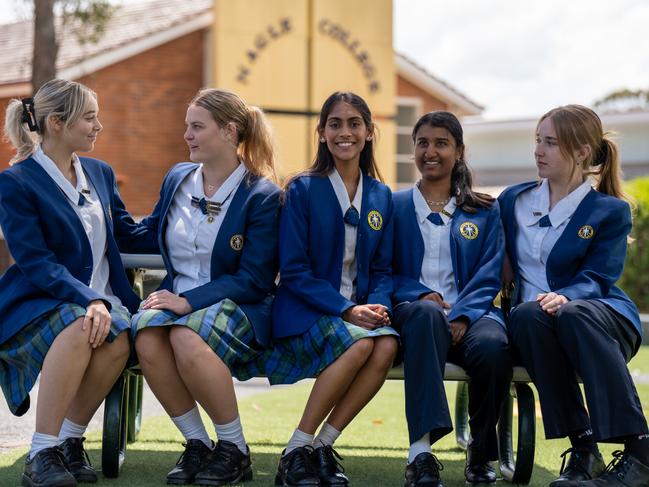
{"x": 327, "y": 436}
{"x": 191, "y": 426}
{"x": 299, "y": 438}
{"x": 40, "y": 441}
{"x": 232, "y": 432}
{"x": 71, "y": 430}
{"x": 420, "y": 446}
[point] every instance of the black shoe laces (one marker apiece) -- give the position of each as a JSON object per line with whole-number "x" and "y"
{"x": 193, "y": 454}
{"x": 74, "y": 451}
{"x": 330, "y": 459}
{"x": 619, "y": 466}
{"x": 428, "y": 465}
{"x": 577, "y": 461}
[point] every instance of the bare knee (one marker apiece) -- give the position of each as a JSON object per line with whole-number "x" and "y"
{"x": 187, "y": 346}
{"x": 384, "y": 352}
{"x": 75, "y": 336}
{"x": 118, "y": 350}
{"x": 361, "y": 351}
{"x": 149, "y": 343}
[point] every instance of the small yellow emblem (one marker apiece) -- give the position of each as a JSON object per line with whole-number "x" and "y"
{"x": 586, "y": 232}
{"x": 469, "y": 230}
{"x": 236, "y": 242}
{"x": 375, "y": 220}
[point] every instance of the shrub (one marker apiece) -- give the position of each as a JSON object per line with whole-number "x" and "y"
{"x": 635, "y": 279}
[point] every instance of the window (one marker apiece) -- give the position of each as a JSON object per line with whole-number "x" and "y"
{"x": 408, "y": 110}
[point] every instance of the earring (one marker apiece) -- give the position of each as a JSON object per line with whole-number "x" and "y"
{"x": 322, "y": 140}
{"x": 369, "y": 138}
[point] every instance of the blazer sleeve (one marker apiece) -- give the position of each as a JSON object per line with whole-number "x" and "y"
{"x": 255, "y": 276}
{"x": 381, "y": 285}
{"x": 478, "y": 293}
{"x": 131, "y": 237}
{"x": 27, "y": 245}
{"x": 295, "y": 271}
{"x": 603, "y": 263}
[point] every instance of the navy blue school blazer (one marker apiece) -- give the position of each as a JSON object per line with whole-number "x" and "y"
{"x": 589, "y": 256}
{"x": 477, "y": 258}
{"x": 311, "y": 248}
{"x": 50, "y": 246}
{"x": 244, "y": 264}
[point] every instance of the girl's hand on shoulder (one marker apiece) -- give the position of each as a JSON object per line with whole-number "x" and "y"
{"x": 99, "y": 320}
{"x": 436, "y": 298}
{"x": 551, "y": 302}
{"x": 164, "y": 299}
{"x": 364, "y": 316}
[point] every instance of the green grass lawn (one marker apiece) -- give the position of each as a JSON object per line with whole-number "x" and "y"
{"x": 374, "y": 446}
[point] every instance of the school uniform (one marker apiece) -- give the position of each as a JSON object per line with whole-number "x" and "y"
{"x": 577, "y": 250}
{"x": 64, "y": 241}
{"x": 458, "y": 255}
{"x": 224, "y": 264}
{"x": 326, "y": 243}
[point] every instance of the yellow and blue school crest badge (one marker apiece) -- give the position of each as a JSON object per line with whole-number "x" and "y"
{"x": 469, "y": 230}
{"x": 236, "y": 242}
{"x": 375, "y": 220}
{"x": 586, "y": 232}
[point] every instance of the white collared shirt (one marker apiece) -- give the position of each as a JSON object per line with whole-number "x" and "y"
{"x": 190, "y": 236}
{"x": 533, "y": 242}
{"x": 437, "y": 266}
{"x": 91, "y": 215}
{"x": 349, "y": 271}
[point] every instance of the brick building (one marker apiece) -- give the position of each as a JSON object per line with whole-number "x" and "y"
{"x": 145, "y": 73}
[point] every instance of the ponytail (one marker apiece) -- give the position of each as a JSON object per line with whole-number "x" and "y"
{"x": 17, "y": 134}
{"x": 608, "y": 170}
{"x": 462, "y": 188}
{"x": 256, "y": 145}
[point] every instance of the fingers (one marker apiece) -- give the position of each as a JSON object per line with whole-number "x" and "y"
{"x": 445, "y": 305}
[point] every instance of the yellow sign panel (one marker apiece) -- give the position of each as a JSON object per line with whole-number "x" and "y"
{"x": 288, "y": 56}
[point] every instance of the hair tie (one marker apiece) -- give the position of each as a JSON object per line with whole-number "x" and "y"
{"x": 602, "y": 154}
{"x": 29, "y": 114}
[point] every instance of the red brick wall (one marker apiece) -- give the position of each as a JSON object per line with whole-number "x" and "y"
{"x": 429, "y": 102}
{"x": 142, "y": 104}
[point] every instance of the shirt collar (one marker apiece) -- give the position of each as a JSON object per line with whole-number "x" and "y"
{"x": 341, "y": 191}
{"x": 62, "y": 182}
{"x": 423, "y": 210}
{"x": 228, "y": 186}
{"x": 562, "y": 211}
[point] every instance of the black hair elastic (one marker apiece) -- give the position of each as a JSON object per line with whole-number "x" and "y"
{"x": 29, "y": 114}
{"x": 602, "y": 154}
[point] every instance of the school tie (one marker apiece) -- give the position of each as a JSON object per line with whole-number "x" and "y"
{"x": 351, "y": 217}
{"x": 435, "y": 219}
{"x": 82, "y": 200}
{"x": 545, "y": 221}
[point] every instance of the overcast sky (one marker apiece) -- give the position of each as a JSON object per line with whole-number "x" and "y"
{"x": 519, "y": 58}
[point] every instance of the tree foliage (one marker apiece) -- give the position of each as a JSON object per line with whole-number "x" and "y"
{"x": 85, "y": 19}
{"x": 624, "y": 101}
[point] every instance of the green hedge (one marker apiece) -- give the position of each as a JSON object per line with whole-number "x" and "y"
{"x": 635, "y": 279}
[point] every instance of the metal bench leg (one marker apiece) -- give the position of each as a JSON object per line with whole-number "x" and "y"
{"x": 135, "y": 386}
{"x": 518, "y": 471}
{"x": 113, "y": 447}
{"x": 462, "y": 435}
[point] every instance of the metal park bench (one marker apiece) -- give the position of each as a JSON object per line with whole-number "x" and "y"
{"x": 123, "y": 406}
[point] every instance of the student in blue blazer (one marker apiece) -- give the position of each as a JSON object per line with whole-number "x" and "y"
{"x": 67, "y": 294}
{"x": 448, "y": 253}
{"x": 331, "y": 315}
{"x": 566, "y": 243}
{"x": 216, "y": 222}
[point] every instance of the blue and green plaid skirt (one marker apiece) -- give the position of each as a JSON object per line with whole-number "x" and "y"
{"x": 223, "y": 326}
{"x": 22, "y": 356}
{"x": 306, "y": 355}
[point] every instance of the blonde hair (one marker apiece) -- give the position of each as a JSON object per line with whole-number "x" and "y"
{"x": 577, "y": 126}
{"x": 255, "y": 141}
{"x": 65, "y": 100}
